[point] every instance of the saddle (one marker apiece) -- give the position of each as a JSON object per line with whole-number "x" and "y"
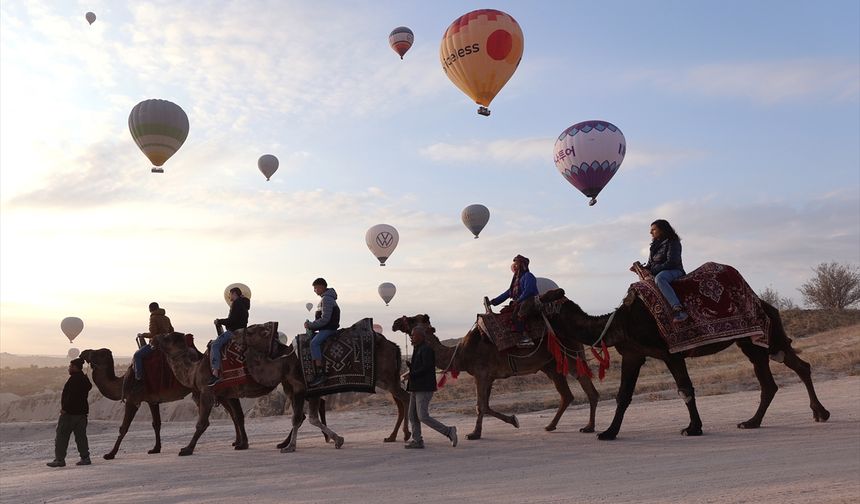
{"x": 234, "y": 370}
{"x": 348, "y": 360}
{"x": 157, "y": 375}
{"x": 499, "y": 329}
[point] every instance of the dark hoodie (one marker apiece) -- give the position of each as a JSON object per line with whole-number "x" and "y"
{"x": 74, "y": 401}
{"x": 159, "y": 323}
{"x": 238, "y": 317}
{"x": 328, "y": 313}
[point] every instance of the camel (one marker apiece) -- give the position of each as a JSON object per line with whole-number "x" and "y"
{"x": 634, "y": 334}
{"x": 480, "y": 358}
{"x": 388, "y": 364}
{"x": 110, "y": 385}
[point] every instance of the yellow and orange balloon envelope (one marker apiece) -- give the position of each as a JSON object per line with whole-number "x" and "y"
{"x": 480, "y": 52}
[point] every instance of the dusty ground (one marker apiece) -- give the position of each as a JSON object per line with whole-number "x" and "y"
{"x": 790, "y": 460}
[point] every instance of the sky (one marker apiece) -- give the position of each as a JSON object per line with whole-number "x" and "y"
{"x": 742, "y": 123}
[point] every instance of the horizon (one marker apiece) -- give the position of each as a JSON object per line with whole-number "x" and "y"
{"x": 741, "y": 121}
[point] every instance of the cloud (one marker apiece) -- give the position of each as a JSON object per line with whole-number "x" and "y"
{"x": 511, "y": 151}
{"x": 764, "y": 82}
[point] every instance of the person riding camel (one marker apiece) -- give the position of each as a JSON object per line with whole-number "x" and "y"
{"x": 236, "y": 319}
{"x": 326, "y": 322}
{"x": 159, "y": 323}
{"x": 664, "y": 262}
{"x": 523, "y": 287}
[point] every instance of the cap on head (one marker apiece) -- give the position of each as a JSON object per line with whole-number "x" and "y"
{"x": 78, "y": 363}
{"x": 237, "y": 291}
{"x": 153, "y": 306}
{"x": 320, "y": 281}
{"x": 524, "y": 261}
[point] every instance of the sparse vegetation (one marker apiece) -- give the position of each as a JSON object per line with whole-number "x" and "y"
{"x": 772, "y": 297}
{"x": 834, "y": 287}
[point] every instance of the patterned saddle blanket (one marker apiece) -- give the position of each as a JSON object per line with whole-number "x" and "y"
{"x": 157, "y": 375}
{"x": 348, "y": 358}
{"x": 498, "y": 327}
{"x": 233, "y": 368}
{"x": 721, "y": 305}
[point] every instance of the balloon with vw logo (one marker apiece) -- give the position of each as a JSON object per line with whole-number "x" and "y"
{"x": 588, "y": 154}
{"x": 382, "y": 240}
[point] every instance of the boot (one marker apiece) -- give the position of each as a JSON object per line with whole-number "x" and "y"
{"x": 318, "y": 379}
{"x": 56, "y": 463}
{"x": 84, "y": 461}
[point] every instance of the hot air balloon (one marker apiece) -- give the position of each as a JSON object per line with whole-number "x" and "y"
{"x": 159, "y": 128}
{"x": 73, "y": 353}
{"x": 479, "y": 53}
{"x": 246, "y": 291}
{"x": 400, "y": 39}
{"x": 71, "y": 327}
{"x": 386, "y": 291}
{"x": 91, "y": 17}
{"x": 588, "y": 154}
{"x": 377, "y": 328}
{"x": 309, "y": 306}
{"x": 382, "y": 239}
{"x": 544, "y": 285}
{"x": 475, "y": 217}
{"x": 268, "y": 165}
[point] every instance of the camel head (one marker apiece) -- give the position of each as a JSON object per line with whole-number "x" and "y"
{"x": 406, "y": 324}
{"x": 98, "y": 358}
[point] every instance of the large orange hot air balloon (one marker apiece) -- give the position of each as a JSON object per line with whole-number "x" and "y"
{"x": 480, "y": 52}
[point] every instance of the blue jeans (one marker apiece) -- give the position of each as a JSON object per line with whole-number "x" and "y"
{"x": 138, "y": 360}
{"x": 215, "y": 349}
{"x": 317, "y": 341}
{"x": 664, "y": 281}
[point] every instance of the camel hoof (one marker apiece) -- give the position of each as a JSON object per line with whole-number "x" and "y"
{"x": 473, "y": 436}
{"x": 288, "y": 449}
{"x": 588, "y": 429}
{"x": 749, "y": 424}
{"x": 389, "y": 440}
{"x": 185, "y": 452}
{"x": 515, "y": 422}
{"x": 327, "y": 439}
{"x": 241, "y": 447}
{"x": 821, "y": 417}
{"x": 338, "y": 442}
{"x": 109, "y": 456}
{"x": 154, "y": 451}
{"x": 549, "y": 428}
{"x": 607, "y": 436}
{"x": 691, "y": 431}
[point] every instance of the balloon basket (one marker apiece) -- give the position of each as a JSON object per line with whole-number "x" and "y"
{"x": 476, "y": 237}
{"x": 592, "y": 202}
{"x": 157, "y": 170}
{"x": 484, "y": 111}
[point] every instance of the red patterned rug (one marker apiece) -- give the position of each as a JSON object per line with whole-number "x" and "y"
{"x": 498, "y": 328}
{"x": 721, "y": 305}
{"x": 233, "y": 371}
{"x": 157, "y": 375}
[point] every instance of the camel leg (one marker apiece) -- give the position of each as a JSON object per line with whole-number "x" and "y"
{"x": 322, "y": 417}
{"x": 630, "y": 366}
{"x": 401, "y": 401}
{"x": 130, "y": 411}
{"x": 593, "y": 398}
{"x": 758, "y": 357}
{"x": 204, "y": 409}
{"x": 804, "y": 371}
{"x": 239, "y": 423}
{"x": 678, "y": 367}
{"x": 565, "y": 395}
{"x": 298, "y": 418}
{"x": 314, "y": 419}
{"x": 289, "y": 438}
{"x": 512, "y": 419}
{"x": 482, "y": 393}
{"x": 228, "y": 407}
{"x": 155, "y": 410}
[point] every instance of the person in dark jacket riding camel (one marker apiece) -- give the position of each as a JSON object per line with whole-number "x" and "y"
{"x": 664, "y": 262}
{"x": 326, "y": 322}
{"x": 237, "y": 319}
{"x": 159, "y": 323}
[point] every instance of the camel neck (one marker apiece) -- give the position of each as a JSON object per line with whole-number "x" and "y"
{"x": 183, "y": 365}
{"x": 442, "y": 353}
{"x": 588, "y": 328}
{"x": 106, "y": 380}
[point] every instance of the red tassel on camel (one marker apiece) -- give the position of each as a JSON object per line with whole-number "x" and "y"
{"x": 603, "y": 358}
{"x": 582, "y": 368}
{"x": 552, "y": 344}
{"x": 442, "y": 380}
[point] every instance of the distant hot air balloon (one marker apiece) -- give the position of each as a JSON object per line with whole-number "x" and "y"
{"x": 73, "y": 353}
{"x": 479, "y": 53}
{"x": 91, "y": 18}
{"x": 268, "y": 165}
{"x": 475, "y": 217}
{"x": 71, "y": 327}
{"x": 400, "y": 39}
{"x": 246, "y": 291}
{"x": 309, "y": 306}
{"x": 159, "y": 128}
{"x": 588, "y": 154}
{"x": 544, "y": 285}
{"x": 377, "y": 328}
{"x": 386, "y": 291}
{"x": 382, "y": 239}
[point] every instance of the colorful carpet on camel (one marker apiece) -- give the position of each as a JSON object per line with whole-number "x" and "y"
{"x": 157, "y": 375}
{"x": 721, "y": 305}
{"x": 233, "y": 371}
{"x": 348, "y": 357}
{"x": 497, "y": 327}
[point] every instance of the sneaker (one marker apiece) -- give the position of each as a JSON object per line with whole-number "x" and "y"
{"x": 525, "y": 341}
{"x": 84, "y": 461}
{"x": 214, "y": 380}
{"x": 56, "y": 463}
{"x": 452, "y": 435}
{"x": 318, "y": 380}
{"x": 417, "y": 445}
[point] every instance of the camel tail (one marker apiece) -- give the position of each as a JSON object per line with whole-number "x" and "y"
{"x": 779, "y": 338}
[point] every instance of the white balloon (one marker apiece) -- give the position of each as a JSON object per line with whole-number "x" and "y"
{"x": 268, "y": 165}
{"x": 73, "y": 353}
{"x": 382, "y": 239}
{"x": 475, "y": 217}
{"x": 246, "y": 291}
{"x": 386, "y": 291}
{"x": 309, "y": 306}
{"x": 377, "y": 328}
{"x": 544, "y": 285}
{"x": 71, "y": 327}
